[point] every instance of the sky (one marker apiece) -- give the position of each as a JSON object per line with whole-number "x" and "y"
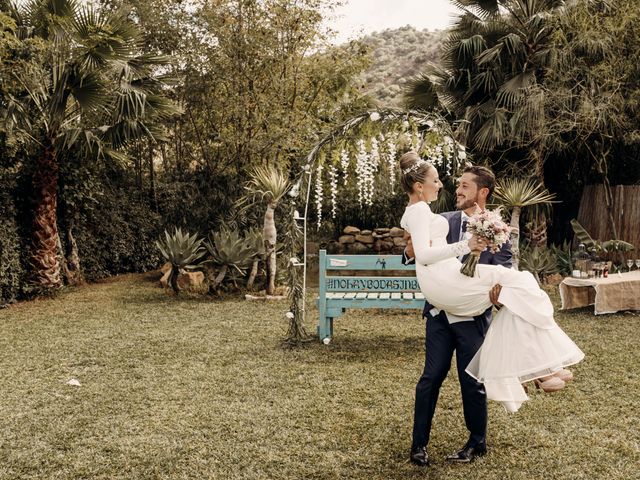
{"x": 357, "y": 17}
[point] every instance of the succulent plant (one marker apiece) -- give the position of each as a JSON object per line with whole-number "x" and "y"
{"x": 228, "y": 249}
{"x": 183, "y": 251}
{"x": 540, "y": 261}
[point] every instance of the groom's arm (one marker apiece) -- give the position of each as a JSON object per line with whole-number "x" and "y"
{"x": 504, "y": 257}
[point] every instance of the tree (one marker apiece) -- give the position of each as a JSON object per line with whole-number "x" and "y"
{"x": 95, "y": 91}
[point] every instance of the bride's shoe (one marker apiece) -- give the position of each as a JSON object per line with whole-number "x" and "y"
{"x": 564, "y": 375}
{"x": 549, "y": 384}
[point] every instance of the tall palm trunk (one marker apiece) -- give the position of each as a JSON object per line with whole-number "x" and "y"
{"x": 44, "y": 258}
{"x": 515, "y": 235}
{"x": 270, "y": 236}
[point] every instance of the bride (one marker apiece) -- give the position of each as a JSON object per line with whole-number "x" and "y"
{"x": 523, "y": 342}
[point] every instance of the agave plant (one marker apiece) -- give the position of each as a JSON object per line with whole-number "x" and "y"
{"x": 519, "y": 193}
{"x": 564, "y": 258}
{"x": 540, "y": 261}
{"x": 228, "y": 250}
{"x": 183, "y": 251}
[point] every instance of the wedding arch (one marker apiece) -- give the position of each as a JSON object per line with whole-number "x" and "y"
{"x": 362, "y": 150}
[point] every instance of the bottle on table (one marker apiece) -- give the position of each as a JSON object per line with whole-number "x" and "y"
{"x": 581, "y": 263}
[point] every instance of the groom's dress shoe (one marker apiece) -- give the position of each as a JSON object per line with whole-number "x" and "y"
{"x": 419, "y": 456}
{"x": 467, "y": 454}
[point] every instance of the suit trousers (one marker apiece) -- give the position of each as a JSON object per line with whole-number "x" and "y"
{"x": 442, "y": 339}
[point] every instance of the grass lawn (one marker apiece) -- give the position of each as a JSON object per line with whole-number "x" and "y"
{"x": 200, "y": 388}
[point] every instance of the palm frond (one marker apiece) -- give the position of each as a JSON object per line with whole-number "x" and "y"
{"x": 522, "y": 192}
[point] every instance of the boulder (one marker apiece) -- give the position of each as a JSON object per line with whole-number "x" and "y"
{"x": 347, "y": 239}
{"x": 190, "y": 279}
{"x": 313, "y": 248}
{"x": 397, "y": 250}
{"x": 166, "y": 267}
{"x": 366, "y": 239}
{"x": 366, "y": 232}
{"x": 335, "y": 248}
{"x": 164, "y": 281}
{"x": 382, "y": 231}
{"x": 358, "y": 248}
{"x": 396, "y": 232}
{"x": 399, "y": 242}
{"x": 383, "y": 246}
{"x": 555, "y": 279}
{"x": 351, "y": 230}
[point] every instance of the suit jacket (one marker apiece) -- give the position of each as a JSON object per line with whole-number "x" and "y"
{"x": 503, "y": 257}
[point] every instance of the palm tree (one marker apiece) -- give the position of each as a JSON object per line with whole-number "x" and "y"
{"x": 493, "y": 63}
{"x": 93, "y": 92}
{"x": 516, "y": 194}
{"x": 268, "y": 184}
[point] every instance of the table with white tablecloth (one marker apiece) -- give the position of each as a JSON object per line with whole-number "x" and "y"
{"x": 617, "y": 292}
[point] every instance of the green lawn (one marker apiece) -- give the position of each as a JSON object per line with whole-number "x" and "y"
{"x": 199, "y": 388}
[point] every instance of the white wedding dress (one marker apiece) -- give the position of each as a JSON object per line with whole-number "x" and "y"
{"x": 523, "y": 342}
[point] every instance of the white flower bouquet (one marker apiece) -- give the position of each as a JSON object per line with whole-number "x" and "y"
{"x": 488, "y": 226}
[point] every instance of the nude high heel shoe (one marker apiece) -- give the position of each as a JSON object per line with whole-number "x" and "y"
{"x": 549, "y": 384}
{"x": 564, "y": 375}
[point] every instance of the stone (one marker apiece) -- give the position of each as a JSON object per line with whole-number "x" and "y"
{"x": 382, "y": 231}
{"x": 351, "y": 230}
{"x": 164, "y": 281}
{"x": 555, "y": 279}
{"x": 380, "y": 235}
{"x": 366, "y": 239}
{"x": 166, "y": 267}
{"x": 190, "y": 279}
{"x": 396, "y": 232}
{"x": 358, "y": 248}
{"x": 387, "y": 245}
{"x": 346, "y": 239}
{"x": 366, "y": 232}
{"x": 335, "y": 248}
{"x": 397, "y": 250}
{"x": 399, "y": 242}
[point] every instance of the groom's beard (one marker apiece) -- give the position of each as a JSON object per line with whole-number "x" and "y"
{"x": 467, "y": 203}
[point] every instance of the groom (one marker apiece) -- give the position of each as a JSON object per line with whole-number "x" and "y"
{"x": 447, "y": 333}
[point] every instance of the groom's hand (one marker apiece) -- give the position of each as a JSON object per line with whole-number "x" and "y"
{"x": 494, "y": 293}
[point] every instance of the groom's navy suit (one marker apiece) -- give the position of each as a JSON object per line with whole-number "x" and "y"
{"x": 442, "y": 338}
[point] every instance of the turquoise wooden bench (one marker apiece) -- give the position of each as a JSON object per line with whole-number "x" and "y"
{"x": 338, "y": 293}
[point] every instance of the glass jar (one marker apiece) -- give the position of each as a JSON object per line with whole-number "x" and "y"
{"x": 581, "y": 262}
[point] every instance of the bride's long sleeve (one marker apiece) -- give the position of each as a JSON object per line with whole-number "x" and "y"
{"x": 417, "y": 221}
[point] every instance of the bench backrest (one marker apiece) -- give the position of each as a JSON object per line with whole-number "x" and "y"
{"x": 340, "y": 283}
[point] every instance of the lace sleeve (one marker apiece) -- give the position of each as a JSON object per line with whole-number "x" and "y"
{"x": 417, "y": 221}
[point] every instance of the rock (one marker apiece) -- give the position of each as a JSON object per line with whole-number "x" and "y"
{"x": 387, "y": 245}
{"x": 380, "y": 235}
{"x": 190, "y": 279}
{"x": 351, "y": 230}
{"x": 397, "y": 250}
{"x": 164, "y": 281}
{"x": 335, "y": 248}
{"x": 399, "y": 242}
{"x": 358, "y": 248}
{"x": 166, "y": 267}
{"x": 382, "y": 231}
{"x": 366, "y": 239}
{"x": 366, "y": 232}
{"x": 346, "y": 239}
{"x": 396, "y": 232}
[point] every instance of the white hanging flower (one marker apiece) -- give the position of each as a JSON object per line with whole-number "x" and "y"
{"x": 295, "y": 190}
{"x": 375, "y": 116}
{"x": 375, "y": 154}
{"x": 289, "y": 315}
{"x": 319, "y": 193}
{"x": 344, "y": 164}
{"x": 391, "y": 163}
{"x": 362, "y": 172}
{"x": 333, "y": 183}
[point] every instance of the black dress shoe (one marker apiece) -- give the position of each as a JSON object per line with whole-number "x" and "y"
{"x": 467, "y": 454}
{"x": 419, "y": 456}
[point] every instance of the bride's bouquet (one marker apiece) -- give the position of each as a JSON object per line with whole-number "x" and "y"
{"x": 489, "y": 226}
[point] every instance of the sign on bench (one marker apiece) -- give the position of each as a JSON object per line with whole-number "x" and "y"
{"x": 339, "y": 292}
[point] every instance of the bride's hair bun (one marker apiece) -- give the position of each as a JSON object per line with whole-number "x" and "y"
{"x": 413, "y": 169}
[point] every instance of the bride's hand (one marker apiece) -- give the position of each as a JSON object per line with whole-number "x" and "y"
{"x": 477, "y": 245}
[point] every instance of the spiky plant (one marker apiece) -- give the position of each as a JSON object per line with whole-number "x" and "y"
{"x": 183, "y": 251}
{"x": 516, "y": 194}
{"x": 268, "y": 185}
{"x": 228, "y": 250}
{"x": 540, "y": 261}
{"x": 564, "y": 257}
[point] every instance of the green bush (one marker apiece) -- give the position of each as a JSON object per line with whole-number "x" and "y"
{"x": 12, "y": 273}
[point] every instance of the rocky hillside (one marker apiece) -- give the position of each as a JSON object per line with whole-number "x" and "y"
{"x": 397, "y": 55}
